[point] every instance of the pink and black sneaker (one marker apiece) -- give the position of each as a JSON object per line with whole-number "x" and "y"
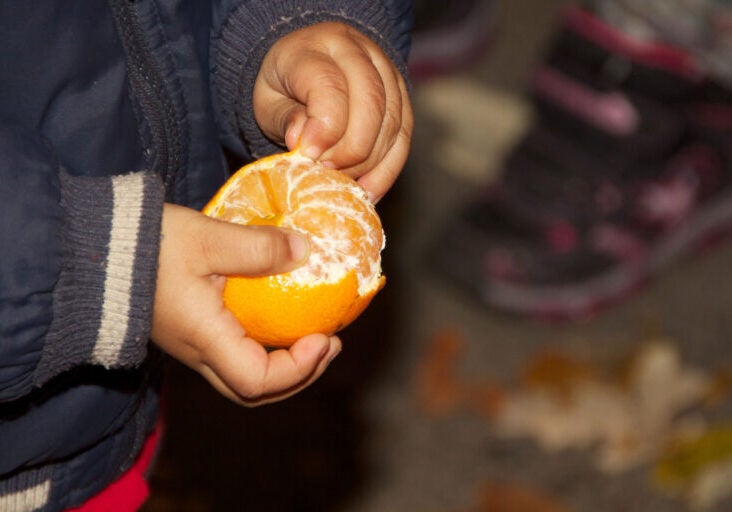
{"x": 628, "y": 169}
{"x": 449, "y": 36}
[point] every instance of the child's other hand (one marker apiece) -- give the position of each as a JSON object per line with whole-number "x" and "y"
{"x": 333, "y": 90}
{"x": 191, "y": 323}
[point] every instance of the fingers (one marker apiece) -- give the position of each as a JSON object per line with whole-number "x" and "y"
{"x": 193, "y": 325}
{"x": 334, "y": 92}
{"x": 296, "y": 90}
{"x": 374, "y": 111}
{"x": 382, "y": 177}
{"x": 243, "y": 371}
{"x": 352, "y": 139}
{"x": 353, "y": 121}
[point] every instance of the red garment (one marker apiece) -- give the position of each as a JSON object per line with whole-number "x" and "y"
{"x": 130, "y": 491}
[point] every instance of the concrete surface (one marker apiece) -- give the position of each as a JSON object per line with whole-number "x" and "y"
{"x": 357, "y": 441}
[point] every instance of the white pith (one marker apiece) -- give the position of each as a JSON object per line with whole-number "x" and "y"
{"x": 329, "y": 260}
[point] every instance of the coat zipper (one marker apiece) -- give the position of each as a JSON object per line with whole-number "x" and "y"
{"x": 150, "y": 89}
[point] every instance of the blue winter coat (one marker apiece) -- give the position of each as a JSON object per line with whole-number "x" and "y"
{"x": 107, "y": 109}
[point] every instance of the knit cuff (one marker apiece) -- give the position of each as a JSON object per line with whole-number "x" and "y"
{"x": 250, "y": 31}
{"x": 103, "y": 299}
{"x": 28, "y": 491}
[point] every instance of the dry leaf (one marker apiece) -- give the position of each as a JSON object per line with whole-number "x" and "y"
{"x": 498, "y": 497}
{"x": 625, "y": 423}
{"x": 441, "y": 390}
{"x": 438, "y": 389}
{"x": 699, "y": 469}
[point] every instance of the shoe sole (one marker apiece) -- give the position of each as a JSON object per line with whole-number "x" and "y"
{"x": 585, "y": 300}
{"x": 444, "y": 50}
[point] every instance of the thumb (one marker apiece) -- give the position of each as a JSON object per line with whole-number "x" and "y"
{"x": 232, "y": 249}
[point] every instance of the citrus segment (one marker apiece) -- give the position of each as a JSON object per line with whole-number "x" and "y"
{"x": 343, "y": 271}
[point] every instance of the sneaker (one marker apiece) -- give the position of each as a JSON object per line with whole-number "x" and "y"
{"x": 565, "y": 234}
{"x": 448, "y": 36}
{"x": 612, "y": 185}
{"x": 612, "y": 92}
{"x": 700, "y": 27}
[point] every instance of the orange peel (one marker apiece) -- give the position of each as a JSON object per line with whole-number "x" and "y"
{"x": 343, "y": 271}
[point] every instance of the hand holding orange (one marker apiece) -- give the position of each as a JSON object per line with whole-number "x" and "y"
{"x": 343, "y": 271}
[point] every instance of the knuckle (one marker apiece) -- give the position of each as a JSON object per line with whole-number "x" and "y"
{"x": 265, "y": 250}
{"x": 253, "y": 385}
{"x": 331, "y": 80}
{"x": 357, "y": 149}
{"x": 208, "y": 244}
{"x": 251, "y": 390}
{"x": 260, "y": 252}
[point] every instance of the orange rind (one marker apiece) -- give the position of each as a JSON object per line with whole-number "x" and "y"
{"x": 343, "y": 270}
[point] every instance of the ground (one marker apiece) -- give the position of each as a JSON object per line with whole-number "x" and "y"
{"x": 362, "y": 440}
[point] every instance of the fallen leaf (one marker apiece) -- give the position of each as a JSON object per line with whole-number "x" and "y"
{"x": 625, "y": 421}
{"x": 437, "y": 386}
{"x": 503, "y": 497}
{"x": 441, "y": 390}
{"x": 698, "y": 469}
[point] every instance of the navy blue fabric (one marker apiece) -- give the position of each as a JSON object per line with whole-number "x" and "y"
{"x": 67, "y": 105}
{"x": 67, "y": 83}
{"x": 85, "y": 405}
{"x": 30, "y": 253}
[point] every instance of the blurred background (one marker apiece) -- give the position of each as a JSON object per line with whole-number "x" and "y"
{"x": 555, "y": 334}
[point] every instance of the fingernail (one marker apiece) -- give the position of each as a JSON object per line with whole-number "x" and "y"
{"x": 299, "y": 247}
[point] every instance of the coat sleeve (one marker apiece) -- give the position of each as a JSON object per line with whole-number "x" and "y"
{"x": 79, "y": 260}
{"x": 244, "y": 31}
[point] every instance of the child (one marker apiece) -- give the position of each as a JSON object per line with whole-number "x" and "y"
{"x": 118, "y": 120}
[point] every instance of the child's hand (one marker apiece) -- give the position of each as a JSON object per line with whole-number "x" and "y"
{"x": 191, "y": 323}
{"x": 334, "y": 91}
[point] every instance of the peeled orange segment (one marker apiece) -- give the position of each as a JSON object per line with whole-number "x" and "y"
{"x": 343, "y": 271}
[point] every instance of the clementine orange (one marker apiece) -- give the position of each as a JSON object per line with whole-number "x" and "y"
{"x": 343, "y": 270}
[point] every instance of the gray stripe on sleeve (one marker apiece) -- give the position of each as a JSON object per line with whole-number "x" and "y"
{"x": 103, "y": 299}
